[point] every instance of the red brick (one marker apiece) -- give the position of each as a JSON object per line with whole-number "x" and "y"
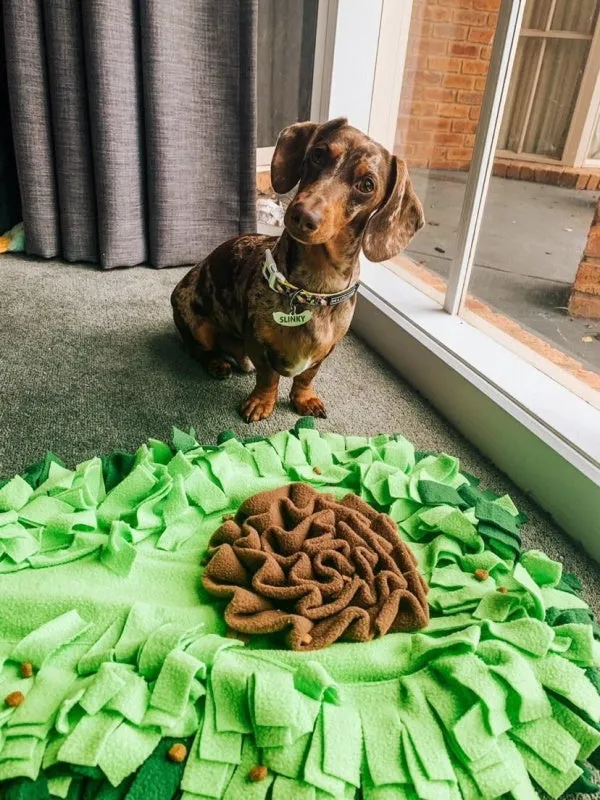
{"x": 584, "y": 305}
{"x": 492, "y": 20}
{"x": 464, "y": 126}
{"x": 464, "y": 50}
{"x": 526, "y": 173}
{"x": 481, "y": 35}
{"x": 592, "y": 183}
{"x": 486, "y": 53}
{"x": 568, "y": 179}
{"x": 460, "y": 154}
{"x": 438, "y": 14}
{"x": 512, "y": 170}
{"x": 588, "y": 278}
{"x": 453, "y": 110}
{"x": 480, "y": 84}
{"x": 486, "y": 5}
{"x": 469, "y": 140}
{"x": 500, "y": 168}
{"x": 433, "y": 47}
{"x": 474, "y": 112}
{"x": 439, "y": 95}
{"x": 444, "y": 64}
{"x": 449, "y": 139}
{"x": 418, "y": 108}
{"x": 421, "y": 136}
{"x": 539, "y": 174}
{"x": 596, "y": 220}
{"x": 582, "y": 180}
{"x": 552, "y": 176}
{"x": 436, "y": 124}
{"x": 479, "y": 18}
{"x": 592, "y": 246}
{"x": 428, "y": 77}
{"x": 470, "y": 98}
{"x": 450, "y": 31}
{"x": 415, "y": 62}
{"x": 407, "y": 122}
{"x": 424, "y": 30}
{"x": 453, "y": 81}
{"x": 475, "y": 67}
{"x": 457, "y": 3}
{"x": 439, "y": 153}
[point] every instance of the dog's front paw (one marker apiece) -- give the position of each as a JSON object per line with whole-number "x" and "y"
{"x": 258, "y": 406}
{"x": 309, "y": 406}
{"x": 219, "y": 368}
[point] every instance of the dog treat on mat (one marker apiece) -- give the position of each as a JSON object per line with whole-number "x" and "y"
{"x": 298, "y": 561}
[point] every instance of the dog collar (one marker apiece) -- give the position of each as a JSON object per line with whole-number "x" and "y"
{"x": 279, "y": 283}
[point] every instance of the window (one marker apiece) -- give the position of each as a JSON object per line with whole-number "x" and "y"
{"x": 475, "y": 313}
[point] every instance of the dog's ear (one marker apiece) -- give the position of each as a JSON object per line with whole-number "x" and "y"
{"x": 290, "y": 150}
{"x": 397, "y": 219}
{"x": 286, "y": 165}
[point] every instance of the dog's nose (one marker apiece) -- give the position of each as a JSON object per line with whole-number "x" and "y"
{"x": 306, "y": 220}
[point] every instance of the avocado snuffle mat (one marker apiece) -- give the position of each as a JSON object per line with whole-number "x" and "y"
{"x": 299, "y": 617}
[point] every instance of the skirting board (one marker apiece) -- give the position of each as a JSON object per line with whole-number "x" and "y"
{"x": 570, "y": 497}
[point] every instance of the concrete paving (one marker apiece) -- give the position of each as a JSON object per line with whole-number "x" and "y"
{"x": 531, "y": 242}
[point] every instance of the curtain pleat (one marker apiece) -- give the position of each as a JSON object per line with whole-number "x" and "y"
{"x": 197, "y": 155}
{"x": 71, "y": 130}
{"x": 134, "y": 126}
{"x": 31, "y": 123}
{"x": 114, "y": 79}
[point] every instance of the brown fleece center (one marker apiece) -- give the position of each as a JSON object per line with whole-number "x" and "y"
{"x": 298, "y": 561}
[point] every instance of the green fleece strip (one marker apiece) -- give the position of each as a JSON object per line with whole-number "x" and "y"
{"x": 125, "y": 750}
{"x": 158, "y": 778}
{"x": 342, "y": 737}
{"x": 240, "y": 786}
{"x": 569, "y": 681}
{"x": 552, "y": 781}
{"x": 45, "y": 641}
{"x": 208, "y": 778}
{"x": 221, "y": 746}
{"x": 85, "y": 742}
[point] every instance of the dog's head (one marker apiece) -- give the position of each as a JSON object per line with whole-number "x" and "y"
{"x": 346, "y": 180}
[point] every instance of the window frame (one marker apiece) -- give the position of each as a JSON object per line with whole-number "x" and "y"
{"x": 554, "y": 430}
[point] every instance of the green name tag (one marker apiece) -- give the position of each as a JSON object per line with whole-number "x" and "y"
{"x": 292, "y": 320}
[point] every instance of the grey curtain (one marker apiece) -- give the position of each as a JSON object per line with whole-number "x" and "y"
{"x": 134, "y": 126}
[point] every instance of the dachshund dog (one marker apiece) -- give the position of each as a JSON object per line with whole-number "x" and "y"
{"x": 281, "y": 305}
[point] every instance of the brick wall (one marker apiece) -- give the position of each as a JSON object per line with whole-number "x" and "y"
{"x": 585, "y": 296}
{"x": 446, "y": 67}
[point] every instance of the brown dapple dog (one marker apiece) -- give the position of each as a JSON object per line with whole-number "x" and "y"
{"x": 352, "y": 194}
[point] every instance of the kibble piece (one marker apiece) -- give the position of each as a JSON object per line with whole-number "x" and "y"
{"x": 306, "y": 639}
{"x": 26, "y": 669}
{"x": 481, "y": 574}
{"x": 503, "y": 590}
{"x": 258, "y": 773}
{"x": 177, "y": 754}
{"x": 317, "y": 470}
{"x": 14, "y": 699}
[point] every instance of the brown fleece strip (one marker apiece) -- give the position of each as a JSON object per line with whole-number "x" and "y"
{"x": 298, "y": 561}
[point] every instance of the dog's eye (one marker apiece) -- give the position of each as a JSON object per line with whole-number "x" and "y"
{"x": 317, "y": 156}
{"x": 365, "y": 185}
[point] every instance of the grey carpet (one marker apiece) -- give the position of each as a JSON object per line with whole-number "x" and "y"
{"x": 90, "y": 361}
